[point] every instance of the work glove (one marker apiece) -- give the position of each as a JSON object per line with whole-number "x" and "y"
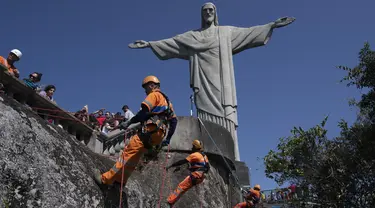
{"x": 165, "y": 142}
{"x": 244, "y": 192}
{"x": 177, "y": 169}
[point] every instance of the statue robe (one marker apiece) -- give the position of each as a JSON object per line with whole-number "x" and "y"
{"x": 209, "y": 52}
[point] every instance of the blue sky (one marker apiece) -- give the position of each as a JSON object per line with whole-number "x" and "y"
{"x": 81, "y": 47}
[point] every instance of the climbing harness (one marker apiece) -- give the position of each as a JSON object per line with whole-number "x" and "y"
{"x": 200, "y": 166}
{"x": 159, "y": 120}
{"x": 164, "y": 175}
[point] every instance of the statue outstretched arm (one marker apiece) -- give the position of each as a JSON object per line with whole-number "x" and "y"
{"x": 139, "y": 44}
{"x": 163, "y": 49}
{"x": 282, "y": 22}
{"x": 251, "y": 37}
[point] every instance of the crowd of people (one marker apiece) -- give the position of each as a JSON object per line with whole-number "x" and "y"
{"x": 31, "y": 81}
{"x": 254, "y": 196}
{"x": 98, "y": 120}
{"x": 281, "y": 194}
{"x": 104, "y": 121}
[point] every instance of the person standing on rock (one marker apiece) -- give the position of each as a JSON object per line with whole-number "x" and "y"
{"x": 198, "y": 165}
{"x": 155, "y": 115}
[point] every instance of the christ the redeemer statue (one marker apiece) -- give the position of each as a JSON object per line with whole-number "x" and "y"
{"x": 209, "y": 51}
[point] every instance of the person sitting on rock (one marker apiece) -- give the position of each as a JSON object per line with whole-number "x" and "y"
{"x": 155, "y": 115}
{"x": 252, "y": 198}
{"x": 33, "y": 79}
{"x": 14, "y": 56}
{"x": 198, "y": 165}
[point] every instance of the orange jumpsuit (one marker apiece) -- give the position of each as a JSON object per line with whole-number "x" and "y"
{"x": 252, "y": 198}
{"x": 11, "y": 69}
{"x": 197, "y": 162}
{"x": 157, "y": 104}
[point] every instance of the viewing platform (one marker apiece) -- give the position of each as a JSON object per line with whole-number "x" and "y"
{"x": 16, "y": 89}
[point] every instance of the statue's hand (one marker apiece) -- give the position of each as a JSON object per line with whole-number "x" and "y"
{"x": 139, "y": 44}
{"x": 284, "y": 21}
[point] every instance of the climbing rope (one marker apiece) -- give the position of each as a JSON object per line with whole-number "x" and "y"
{"x": 122, "y": 174}
{"x": 164, "y": 175}
{"x": 222, "y": 155}
{"x": 169, "y": 184}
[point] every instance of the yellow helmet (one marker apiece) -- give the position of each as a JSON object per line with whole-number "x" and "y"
{"x": 197, "y": 144}
{"x": 257, "y": 186}
{"x": 150, "y": 79}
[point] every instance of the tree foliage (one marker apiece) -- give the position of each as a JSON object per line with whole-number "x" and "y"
{"x": 336, "y": 172}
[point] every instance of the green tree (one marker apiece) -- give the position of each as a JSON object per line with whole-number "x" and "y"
{"x": 337, "y": 172}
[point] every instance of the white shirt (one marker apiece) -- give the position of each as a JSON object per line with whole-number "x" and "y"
{"x": 128, "y": 115}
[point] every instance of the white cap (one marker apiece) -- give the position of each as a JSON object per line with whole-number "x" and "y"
{"x": 17, "y": 53}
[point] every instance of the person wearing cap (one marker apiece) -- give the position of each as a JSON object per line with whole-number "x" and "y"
{"x": 252, "y": 197}
{"x": 198, "y": 166}
{"x": 155, "y": 115}
{"x": 14, "y": 56}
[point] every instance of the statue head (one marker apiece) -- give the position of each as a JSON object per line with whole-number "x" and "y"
{"x": 209, "y": 15}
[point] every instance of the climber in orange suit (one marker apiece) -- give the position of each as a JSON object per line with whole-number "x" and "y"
{"x": 252, "y": 198}
{"x": 155, "y": 115}
{"x": 198, "y": 165}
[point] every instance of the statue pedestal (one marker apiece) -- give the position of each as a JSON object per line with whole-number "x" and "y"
{"x": 218, "y": 145}
{"x": 189, "y": 129}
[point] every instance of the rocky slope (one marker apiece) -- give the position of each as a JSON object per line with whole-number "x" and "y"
{"x": 43, "y": 166}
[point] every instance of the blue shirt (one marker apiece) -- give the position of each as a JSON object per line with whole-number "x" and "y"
{"x": 30, "y": 84}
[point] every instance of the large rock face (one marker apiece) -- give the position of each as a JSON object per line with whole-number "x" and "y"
{"x": 43, "y": 166}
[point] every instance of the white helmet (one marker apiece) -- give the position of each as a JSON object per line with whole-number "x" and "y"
{"x": 17, "y": 53}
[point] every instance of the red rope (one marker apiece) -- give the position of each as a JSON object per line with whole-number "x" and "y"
{"x": 164, "y": 174}
{"x": 122, "y": 174}
{"x": 170, "y": 184}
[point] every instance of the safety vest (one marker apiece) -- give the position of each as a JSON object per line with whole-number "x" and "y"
{"x": 160, "y": 119}
{"x": 203, "y": 165}
{"x": 11, "y": 69}
{"x": 254, "y": 196}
